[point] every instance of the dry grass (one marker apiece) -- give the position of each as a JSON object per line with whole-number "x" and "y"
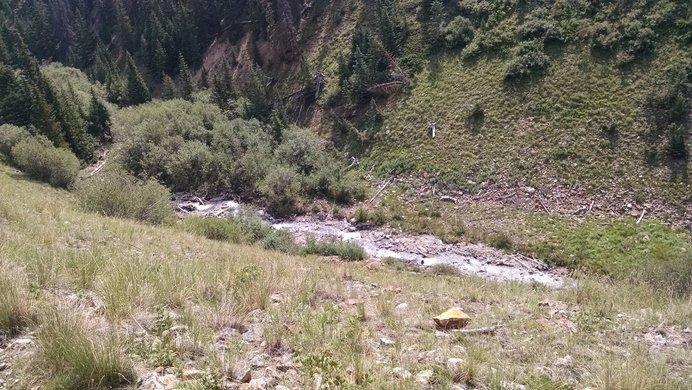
{"x": 322, "y": 317}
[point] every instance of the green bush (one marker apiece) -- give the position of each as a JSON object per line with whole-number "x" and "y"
{"x": 10, "y": 135}
{"x": 279, "y": 240}
{"x": 220, "y": 229}
{"x": 282, "y": 190}
{"x": 530, "y": 59}
{"x": 347, "y": 251}
{"x": 118, "y": 194}
{"x": 40, "y": 160}
{"x": 458, "y": 33}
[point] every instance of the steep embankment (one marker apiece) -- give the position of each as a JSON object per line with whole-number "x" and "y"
{"x": 114, "y": 300}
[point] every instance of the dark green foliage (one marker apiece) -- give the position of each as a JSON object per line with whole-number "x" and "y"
{"x": 40, "y": 160}
{"x": 137, "y": 90}
{"x": 121, "y": 195}
{"x": 168, "y": 88}
{"x": 10, "y": 135}
{"x": 529, "y": 59}
{"x": 282, "y": 190}
{"x": 257, "y": 93}
{"x": 347, "y": 251}
{"x": 186, "y": 85}
{"x": 392, "y": 25}
{"x": 458, "y": 33}
{"x": 98, "y": 119}
{"x": 223, "y": 89}
{"x": 540, "y": 25}
{"x": 365, "y": 67}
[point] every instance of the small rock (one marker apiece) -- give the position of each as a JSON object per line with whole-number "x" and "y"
{"x": 564, "y": 361}
{"x": 152, "y": 381}
{"x": 402, "y": 306}
{"x": 259, "y": 384}
{"x": 178, "y": 329}
{"x": 259, "y": 361}
{"x": 512, "y": 386}
{"x": 424, "y": 376}
{"x": 457, "y": 387}
{"x": 281, "y": 387}
{"x": 401, "y": 372}
{"x": 192, "y": 374}
{"x": 19, "y": 343}
{"x": 387, "y": 342}
{"x": 454, "y": 363}
{"x": 246, "y": 377}
{"x": 4, "y": 366}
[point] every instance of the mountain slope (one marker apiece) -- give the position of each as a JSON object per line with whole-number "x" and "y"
{"x": 122, "y": 299}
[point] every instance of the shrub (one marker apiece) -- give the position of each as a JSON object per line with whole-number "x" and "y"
{"x": 40, "y": 160}
{"x": 347, "y": 251}
{"x": 672, "y": 275}
{"x": 75, "y": 358}
{"x": 281, "y": 189}
{"x": 10, "y": 135}
{"x": 118, "y": 194}
{"x": 302, "y": 149}
{"x": 530, "y": 59}
{"x": 220, "y": 229}
{"x": 604, "y": 36}
{"x": 458, "y": 33}
{"x": 279, "y": 240}
{"x": 445, "y": 269}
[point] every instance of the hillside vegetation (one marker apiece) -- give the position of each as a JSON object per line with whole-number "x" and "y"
{"x": 94, "y": 302}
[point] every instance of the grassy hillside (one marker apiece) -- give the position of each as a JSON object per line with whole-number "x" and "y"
{"x": 115, "y": 299}
{"x": 551, "y": 131}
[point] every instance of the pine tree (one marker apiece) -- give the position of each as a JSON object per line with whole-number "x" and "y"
{"x": 98, "y": 119}
{"x": 85, "y": 42}
{"x": 43, "y": 118}
{"x": 137, "y": 91}
{"x": 124, "y": 26}
{"x": 186, "y": 85}
{"x": 223, "y": 89}
{"x": 160, "y": 59}
{"x": 3, "y": 52}
{"x": 435, "y": 23}
{"x": 257, "y": 93}
{"x": 168, "y": 88}
{"x": 74, "y": 127}
{"x": 15, "y": 98}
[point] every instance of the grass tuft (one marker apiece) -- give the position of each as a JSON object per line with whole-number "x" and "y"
{"x": 74, "y": 356}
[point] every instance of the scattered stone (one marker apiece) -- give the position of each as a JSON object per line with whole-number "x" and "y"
{"x": 423, "y": 377}
{"x": 192, "y": 374}
{"x": 276, "y": 298}
{"x": 402, "y": 306}
{"x": 387, "y": 342}
{"x": 455, "y": 363}
{"x": 354, "y": 302}
{"x": 152, "y": 381}
{"x": 401, "y": 372}
{"x": 259, "y": 361}
{"x": 20, "y": 343}
{"x": 4, "y": 366}
{"x": 512, "y": 386}
{"x": 564, "y": 362}
{"x": 178, "y": 329}
{"x": 281, "y": 387}
{"x": 433, "y": 356}
{"x": 259, "y": 384}
{"x": 246, "y": 377}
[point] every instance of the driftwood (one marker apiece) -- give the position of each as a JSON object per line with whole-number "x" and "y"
{"x": 446, "y": 198}
{"x": 484, "y": 330}
{"x": 543, "y": 205}
{"x": 380, "y": 190}
{"x": 386, "y": 88}
{"x": 513, "y": 194}
{"x": 641, "y": 216}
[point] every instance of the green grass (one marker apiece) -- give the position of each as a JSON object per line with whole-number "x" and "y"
{"x": 347, "y": 251}
{"x": 533, "y": 134}
{"x": 150, "y": 279}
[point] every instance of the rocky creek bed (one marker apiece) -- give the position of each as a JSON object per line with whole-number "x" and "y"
{"x": 384, "y": 242}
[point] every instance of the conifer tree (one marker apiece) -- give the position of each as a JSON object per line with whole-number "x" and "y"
{"x": 186, "y": 85}
{"x": 223, "y": 89}
{"x": 168, "y": 88}
{"x": 137, "y": 91}
{"x": 98, "y": 119}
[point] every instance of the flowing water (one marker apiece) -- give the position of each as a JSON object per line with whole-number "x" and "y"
{"x": 383, "y": 242}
